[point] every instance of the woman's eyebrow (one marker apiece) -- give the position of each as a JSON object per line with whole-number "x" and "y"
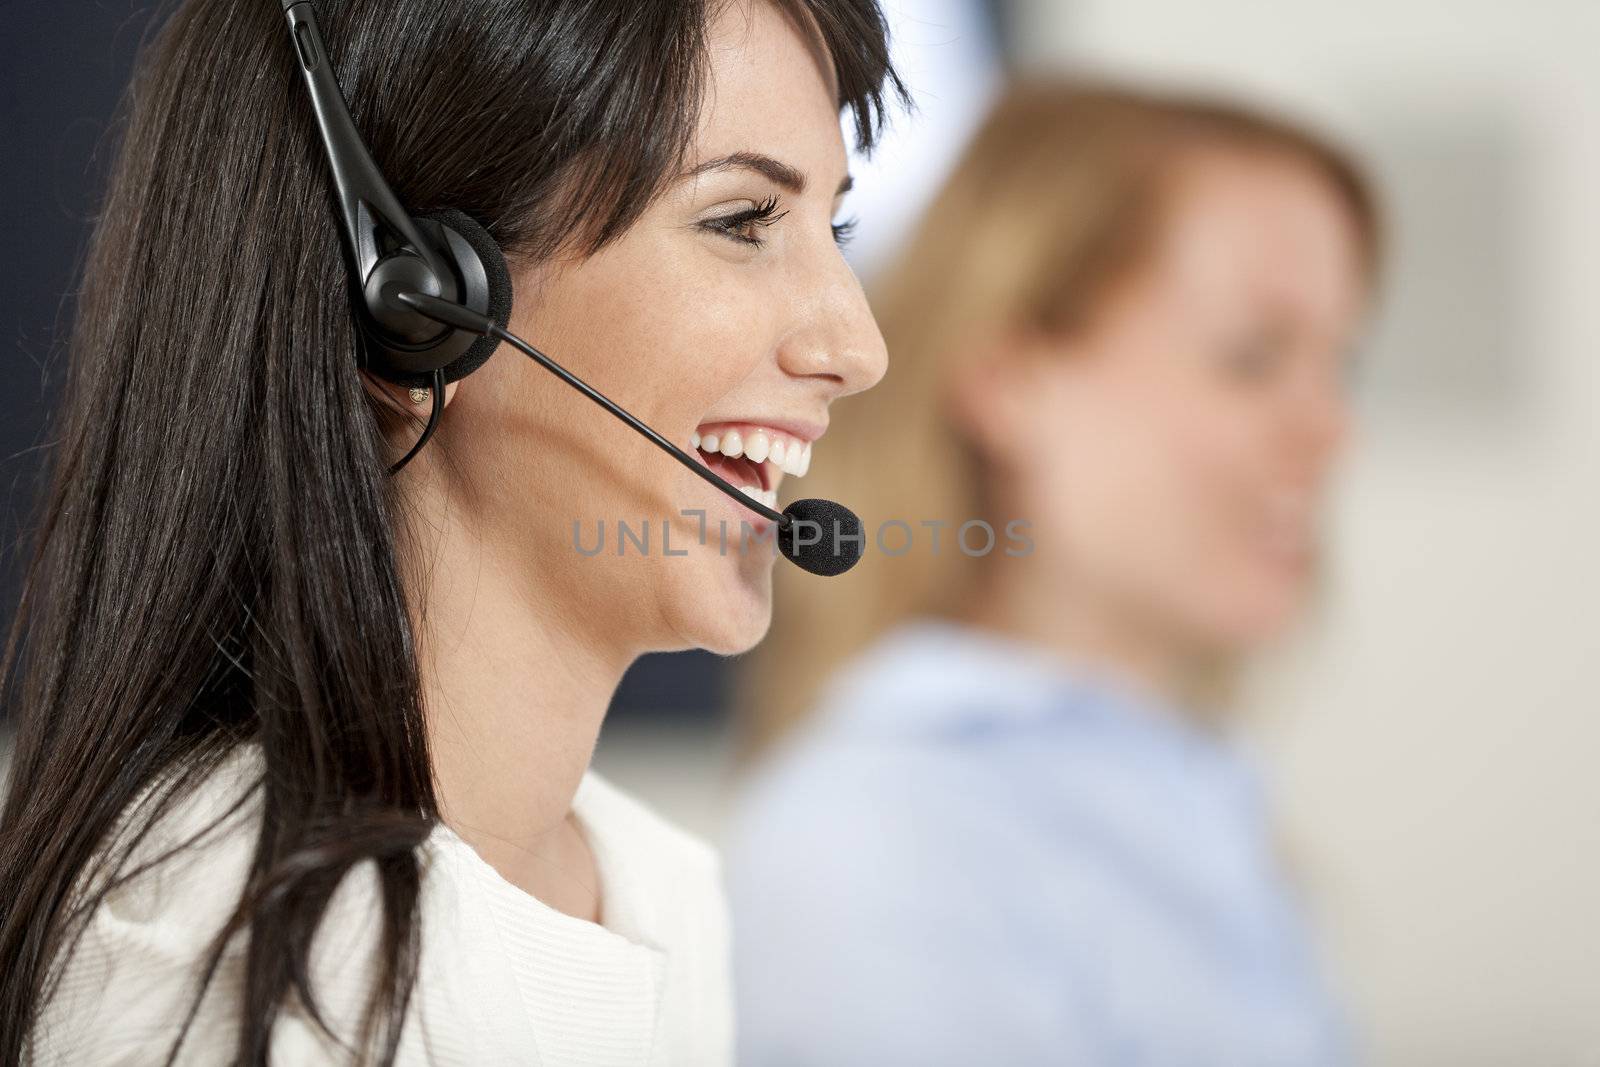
{"x": 776, "y": 170}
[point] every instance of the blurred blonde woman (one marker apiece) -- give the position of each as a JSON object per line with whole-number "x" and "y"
{"x": 1010, "y": 829}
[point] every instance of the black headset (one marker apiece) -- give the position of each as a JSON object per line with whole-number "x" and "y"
{"x": 447, "y": 254}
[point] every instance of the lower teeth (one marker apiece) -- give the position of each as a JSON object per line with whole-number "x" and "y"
{"x": 764, "y": 496}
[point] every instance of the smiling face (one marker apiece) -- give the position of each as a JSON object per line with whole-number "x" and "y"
{"x": 1193, "y": 422}
{"x": 726, "y": 319}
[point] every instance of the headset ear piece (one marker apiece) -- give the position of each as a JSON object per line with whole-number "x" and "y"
{"x": 481, "y": 266}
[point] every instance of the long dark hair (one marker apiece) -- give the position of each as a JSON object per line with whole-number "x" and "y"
{"x": 216, "y": 559}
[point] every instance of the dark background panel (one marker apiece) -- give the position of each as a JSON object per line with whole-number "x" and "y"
{"x": 63, "y": 66}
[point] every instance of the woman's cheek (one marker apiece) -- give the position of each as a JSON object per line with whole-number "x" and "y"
{"x": 723, "y": 332}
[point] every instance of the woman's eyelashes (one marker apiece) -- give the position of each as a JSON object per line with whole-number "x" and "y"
{"x": 844, "y": 231}
{"x": 746, "y": 226}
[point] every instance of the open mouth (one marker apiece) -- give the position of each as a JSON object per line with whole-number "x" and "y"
{"x": 752, "y": 457}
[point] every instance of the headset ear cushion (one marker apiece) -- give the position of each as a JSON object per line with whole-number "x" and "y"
{"x": 499, "y": 278}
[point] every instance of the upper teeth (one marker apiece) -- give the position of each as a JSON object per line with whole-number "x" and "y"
{"x": 793, "y": 457}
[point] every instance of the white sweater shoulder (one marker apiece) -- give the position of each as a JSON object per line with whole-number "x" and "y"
{"x": 504, "y": 978}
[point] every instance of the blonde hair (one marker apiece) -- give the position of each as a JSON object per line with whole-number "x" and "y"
{"x": 1055, "y": 201}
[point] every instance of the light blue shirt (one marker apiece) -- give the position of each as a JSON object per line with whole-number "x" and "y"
{"x": 974, "y": 856}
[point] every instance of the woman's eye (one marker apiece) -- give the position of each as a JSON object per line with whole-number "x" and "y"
{"x": 1249, "y": 361}
{"x": 746, "y": 226}
{"x": 1254, "y": 359}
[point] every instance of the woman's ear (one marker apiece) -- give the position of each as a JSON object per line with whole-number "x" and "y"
{"x": 995, "y": 398}
{"x": 400, "y": 398}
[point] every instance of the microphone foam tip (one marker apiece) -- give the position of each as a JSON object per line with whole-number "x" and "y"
{"x": 823, "y": 536}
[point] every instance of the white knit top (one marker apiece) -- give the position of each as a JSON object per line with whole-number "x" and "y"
{"x": 504, "y": 978}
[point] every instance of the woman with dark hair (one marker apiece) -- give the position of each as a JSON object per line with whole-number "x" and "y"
{"x": 301, "y": 764}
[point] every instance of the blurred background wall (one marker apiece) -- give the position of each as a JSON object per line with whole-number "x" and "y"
{"x": 1433, "y": 732}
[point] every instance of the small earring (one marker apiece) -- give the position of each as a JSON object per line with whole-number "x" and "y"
{"x": 419, "y": 394}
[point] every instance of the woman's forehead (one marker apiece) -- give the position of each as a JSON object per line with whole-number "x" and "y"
{"x": 769, "y": 85}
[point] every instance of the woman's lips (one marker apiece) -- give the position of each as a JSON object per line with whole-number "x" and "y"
{"x": 1286, "y": 529}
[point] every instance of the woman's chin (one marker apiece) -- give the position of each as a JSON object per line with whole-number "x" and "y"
{"x": 733, "y": 640}
{"x": 731, "y": 616}
{"x": 1251, "y": 623}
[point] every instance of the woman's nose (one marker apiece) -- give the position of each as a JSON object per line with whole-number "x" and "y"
{"x": 836, "y": 338}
